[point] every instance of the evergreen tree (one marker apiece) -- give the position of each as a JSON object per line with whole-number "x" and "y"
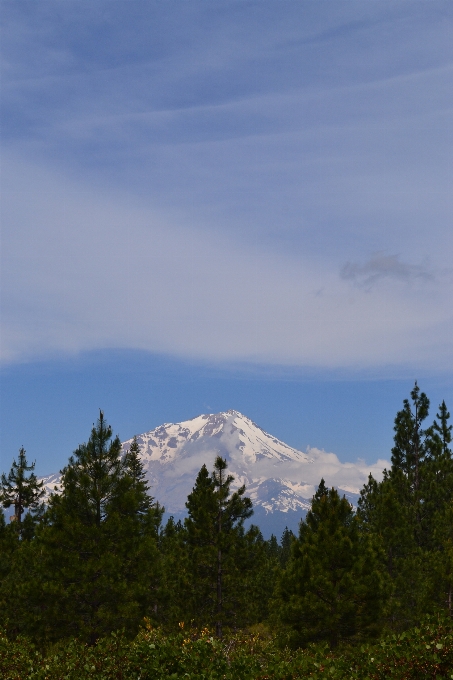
{"x": 99, "y": 565}
{"x": 232, "y": 510}
{"x": 176, "y": 604}
{"x": 443, "y": 429}
{"x": 410, "y": 449}
{"x": 216, "y": 545}
{"x": 441, "y": 561}
{"x": 388, "y": 519}
{"x": 22, "y": 491}
{"x": 408, "y": 510}
{"x": 265, "y": 568}
{"x": 438, "y": 487}
{"x": 285, "y": 542}
{"x": 202, "y": 549}
{"x": 273, "y": 549}
{"x": 133, "y": 467}
{"x": 9, "y": 544}
{"x": 333, "y": 588}
{"x": 438, "y": 494}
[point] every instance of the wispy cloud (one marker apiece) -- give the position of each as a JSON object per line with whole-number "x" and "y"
{"x": 84, "y": 270}
{"x": 382, "y": 266}
{"x": 184, "y": 178}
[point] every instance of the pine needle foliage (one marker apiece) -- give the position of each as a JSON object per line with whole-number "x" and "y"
{"x": 22, "y": 491}
{"x": 332, "y": 588}
{"x": 216, "y": 545}
{"x": 97, "y": 560}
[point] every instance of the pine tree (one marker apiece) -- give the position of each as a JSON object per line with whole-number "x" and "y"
{"x": 441, "y": 561}
{"x": 273, "y": 549}
{"x": 408, "y": 471}
{"x": 9, "y": 544}
{"x": 100, "y": 566}
{"x": 264, "y": 570}
{"x": 176, "y": 604}
{"x": 410, "y": 448}
{"x": 285, "y": 542}
{"x": 22, "y": 491}
{"x": 216, "y": 543}
{"x": 407, "y": 512}
{"x": 438, "y": 488}
{"x": 133, "y": 467}
{"x": 202, "y": 548}
{"x": 443, "y": 429}
{"x": 438, "y": 494}
{"x": 388, "y": 519}
{"x": 333, "y": 588}
{"x": 409, "y": 480}
{"x": 232, "y": 510}
{"x": 17, "y": 564}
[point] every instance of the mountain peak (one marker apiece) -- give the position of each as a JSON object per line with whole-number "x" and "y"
{"x": 278, "y": 477}
{"x": 228, "y": 433}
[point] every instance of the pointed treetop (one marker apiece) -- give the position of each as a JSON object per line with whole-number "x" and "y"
{"x": 19, "y": 489}
{"x": 133, "y": 467}
{"x": 321, "y": 491}
{"x": 443, "y": 429}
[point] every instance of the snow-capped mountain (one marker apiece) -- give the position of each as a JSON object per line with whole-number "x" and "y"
{"x": 280, "y": 480}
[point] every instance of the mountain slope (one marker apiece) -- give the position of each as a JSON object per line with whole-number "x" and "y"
{"x": 280, "y": 479}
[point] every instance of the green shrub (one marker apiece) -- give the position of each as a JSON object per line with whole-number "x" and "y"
{"x": 419, "y": 654}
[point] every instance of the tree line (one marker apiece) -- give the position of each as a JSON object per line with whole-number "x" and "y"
{"x": 97, "y": 556}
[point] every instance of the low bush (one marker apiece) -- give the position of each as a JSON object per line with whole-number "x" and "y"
{"x": 421, "y": 653}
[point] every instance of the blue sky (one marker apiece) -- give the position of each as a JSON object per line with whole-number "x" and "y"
{"x": 237, "y": 204}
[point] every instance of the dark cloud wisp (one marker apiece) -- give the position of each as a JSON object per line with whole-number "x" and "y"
{"x": 382, "y": 266}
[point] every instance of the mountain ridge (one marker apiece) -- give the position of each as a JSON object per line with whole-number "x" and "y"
{"x": 279, "y": 479}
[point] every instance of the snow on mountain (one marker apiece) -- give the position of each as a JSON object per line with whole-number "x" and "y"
{"x": 51, "y": 483}
{"x": 279, "y": 478}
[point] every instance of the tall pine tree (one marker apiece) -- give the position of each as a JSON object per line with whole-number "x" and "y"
{"x": 217, "y": 546}
{"x": 333, "y": 588}
{"x": 408, "y": 511}
{"x": 439, "y": 511}
{"x": 22, "y": 491}
{"x": 177, "y": 587}
{"x": 100, "y": 566}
